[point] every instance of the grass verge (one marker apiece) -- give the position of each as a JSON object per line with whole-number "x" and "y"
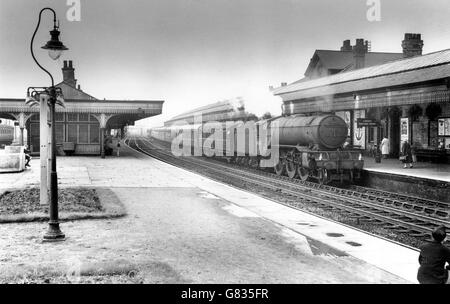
{"x": 22, "y": 205}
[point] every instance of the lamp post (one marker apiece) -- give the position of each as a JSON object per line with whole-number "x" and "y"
{"x": 55, "y": 48}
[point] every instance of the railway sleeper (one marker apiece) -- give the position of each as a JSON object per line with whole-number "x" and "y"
{"x": 419, "y": 234}
{"x": 390, "y": 226}
{"x": 443, "y": 214}
{"x": 408, "y": 231}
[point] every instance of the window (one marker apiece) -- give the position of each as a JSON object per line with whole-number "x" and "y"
{"x": 72, "y": 133}
{"x": 94, "y": 134}
{"x": 72, "y": 116}
{"x": 83, "y": 134}
{"x": 371, "y": 134}
{"x": 59, "y": 132}
{"x": 59, "y": 116}
{"x": 34, "y": 129}
{"x": 83, "y": 117}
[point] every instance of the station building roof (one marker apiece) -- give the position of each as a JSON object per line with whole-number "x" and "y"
{"x": 118, "y": 112}
{"x": 341, "y": 60}
{"x": 398, "y": 72}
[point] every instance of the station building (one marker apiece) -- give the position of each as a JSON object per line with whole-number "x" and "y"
{"x": 407, "y": 99}
{"x": 85, "y": 120}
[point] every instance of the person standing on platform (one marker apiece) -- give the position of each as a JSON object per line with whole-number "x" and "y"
{"x": 406, "y": 155}
{"x": 413, "y": 152}
{"x": 118, "y": 148}
{"x": 27, "y": 156}
{"x": 385, "y": 147}
{"x": 432, "y": 259}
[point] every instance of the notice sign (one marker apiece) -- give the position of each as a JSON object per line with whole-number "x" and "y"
{"x": 404, "y": 129}
{"x": 359, "y": 133}
{"x": 366, "y": 122}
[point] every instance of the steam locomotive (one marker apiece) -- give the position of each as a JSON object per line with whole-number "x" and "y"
{"x": 309, "y": 147}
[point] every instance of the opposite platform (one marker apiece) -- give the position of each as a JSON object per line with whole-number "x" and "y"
{"x": 425, "y": 180}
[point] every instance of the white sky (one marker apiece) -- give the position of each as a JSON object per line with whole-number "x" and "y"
{"x": 194, "y": 52}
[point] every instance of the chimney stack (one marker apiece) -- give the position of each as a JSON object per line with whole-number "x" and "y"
{"x": 69, "y": 74}
{"x": 283, "y": 84}
{"x": 412, "y": 45}
{"x": 346, "y": 46}
{"x": 359, "y": 53}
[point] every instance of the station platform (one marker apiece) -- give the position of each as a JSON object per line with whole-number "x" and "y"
{"x": 185, "y": 228}
{"x": 424, "y": 179}
{"x": 423, "y": 170}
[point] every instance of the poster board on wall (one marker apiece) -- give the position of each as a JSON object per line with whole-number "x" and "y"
{"x": 404, "y": 129}
{"x": 447, "y": 143}
{"x": 359, "y": 134}
{"x": 441, "y": 127}
{"x": 444, "y": 126}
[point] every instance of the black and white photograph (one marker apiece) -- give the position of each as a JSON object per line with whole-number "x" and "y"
{"x": 226, "y": 148}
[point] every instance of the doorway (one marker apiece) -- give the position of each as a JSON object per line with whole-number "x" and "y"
{"x": 394, "y": 131}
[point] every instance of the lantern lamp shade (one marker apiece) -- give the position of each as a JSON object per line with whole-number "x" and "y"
{"x": 54, "y": 46}
{"x": 54, "y": 54}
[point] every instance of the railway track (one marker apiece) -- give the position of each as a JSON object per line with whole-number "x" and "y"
{"x": 413, "y": 216}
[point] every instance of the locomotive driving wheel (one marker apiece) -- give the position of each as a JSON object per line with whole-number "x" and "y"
{"x": 323, "y": 176}
{"x": 303, "y": 173}
{"x": 280, "y": 167}
{"x": 291, "y": 167}
{"x": 254, "y": 162}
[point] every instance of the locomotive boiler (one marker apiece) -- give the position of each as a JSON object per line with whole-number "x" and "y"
{"x": 326, "y": 132}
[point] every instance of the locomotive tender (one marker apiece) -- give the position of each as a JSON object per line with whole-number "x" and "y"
{"x": 309, "y": 147}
